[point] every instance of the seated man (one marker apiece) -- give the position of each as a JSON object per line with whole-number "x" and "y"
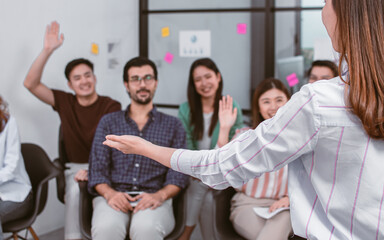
{"x": 116, "y": 178}
{"x": 79, "y": 115}
{"x": 322, "y": 70}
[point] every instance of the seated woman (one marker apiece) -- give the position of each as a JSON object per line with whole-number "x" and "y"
{"x": 15, "y": 188}
{"x": 200, "y": 119}
{"x": 270, "y": 189}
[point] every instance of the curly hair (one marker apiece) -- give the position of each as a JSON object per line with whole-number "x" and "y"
{"x": 4, "y": 115}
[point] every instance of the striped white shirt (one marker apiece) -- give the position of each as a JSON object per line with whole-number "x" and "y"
{"x": 273, "y": 185}
{"x": 336, "y": 181}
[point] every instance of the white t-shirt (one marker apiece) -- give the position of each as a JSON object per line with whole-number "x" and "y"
{"x": 205, "y": 142}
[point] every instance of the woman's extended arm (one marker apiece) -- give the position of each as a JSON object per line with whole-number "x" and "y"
{"x": 136, "y": 145}
{"x": 276, "y": 142}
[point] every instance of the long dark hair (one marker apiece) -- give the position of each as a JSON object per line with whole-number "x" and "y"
{"x": 360, "y": 39}
{"x": 194, "y": 100}
{"x": 4, "y": 115}
{"x": 265, "y": 85}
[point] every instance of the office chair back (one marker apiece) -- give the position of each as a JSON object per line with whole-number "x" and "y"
{"x": 60, "y": 164}
{"x": 40, "y": 170}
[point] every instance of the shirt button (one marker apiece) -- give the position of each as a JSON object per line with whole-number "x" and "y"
{"x": 134, "y": 179}
{"x": 137, "y": 165}
{"x": 141, "y": 134}
{"x": 134, "y": 188}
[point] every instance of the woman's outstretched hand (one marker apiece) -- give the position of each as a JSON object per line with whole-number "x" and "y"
{"x": 126, "y": 143}
{"x": 129, "y": 144}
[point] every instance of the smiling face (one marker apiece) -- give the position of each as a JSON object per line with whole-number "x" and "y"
{"x": 82, "y": 81}
{"x": 141, "y": 92}
{"x": 206, "y": 81}
{"x": 329, "y": 18}
{"x": 270, "y": 102}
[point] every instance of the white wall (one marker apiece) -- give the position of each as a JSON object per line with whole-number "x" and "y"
{"x": 22, "y": 26}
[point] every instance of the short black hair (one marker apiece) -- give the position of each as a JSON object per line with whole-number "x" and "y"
{"x": 324, "y": 63}
{"x": 75, "y": 62}
{"x": 138, "y": 62}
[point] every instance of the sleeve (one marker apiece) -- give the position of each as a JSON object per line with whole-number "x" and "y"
{"x": 179, "y": 141}
{"x": 239, "y": 121}
{"x": 12, "y": 152}
{"x": 184, "y": 117}
{"x": 59, "y": 97}
{"x": 115, "y": 106}
{"x": 291, "y": 133}
{"x": 99, "y": 158}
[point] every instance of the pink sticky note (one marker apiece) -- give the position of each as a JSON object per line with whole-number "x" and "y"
{"x": 292, "y": 79}
{"x": 241, "y": 28}
{"x": 168, "y": 57}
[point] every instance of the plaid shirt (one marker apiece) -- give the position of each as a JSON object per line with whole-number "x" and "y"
{"x": 130, "y": 172}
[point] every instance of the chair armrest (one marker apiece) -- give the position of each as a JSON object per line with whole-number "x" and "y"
{"x": 222, "y": 205}
{"x": 85, "y": 210}
{"x": 60, "y": 180}
{"x": 179, "y": 210}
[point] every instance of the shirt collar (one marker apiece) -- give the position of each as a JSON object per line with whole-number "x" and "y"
{"x": 152, "y": 114}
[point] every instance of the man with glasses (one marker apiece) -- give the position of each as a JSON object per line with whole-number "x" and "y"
{"x": 134, "y": 193}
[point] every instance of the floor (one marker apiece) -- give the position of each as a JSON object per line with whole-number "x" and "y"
{"x": 59, "y": 235}
{"x": 55, "y": 235}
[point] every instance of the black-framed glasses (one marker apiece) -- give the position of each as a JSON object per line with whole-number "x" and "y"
{"x": 148, "y": 79}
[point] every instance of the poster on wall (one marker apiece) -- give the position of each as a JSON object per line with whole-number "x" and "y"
{"x": 195, "y": 43}
{"x": 114, "y": 53}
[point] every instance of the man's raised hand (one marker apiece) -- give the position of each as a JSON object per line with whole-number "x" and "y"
{"x": 53, "y": 39}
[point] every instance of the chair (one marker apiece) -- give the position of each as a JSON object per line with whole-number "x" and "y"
{"x": 223, "y": 227}
{"x": 40, "y": 170}
{"x": 60, "y": 164}
{"x": 86, "y": 210}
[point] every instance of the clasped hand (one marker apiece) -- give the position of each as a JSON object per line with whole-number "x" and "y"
{"x": 120, "y": 201}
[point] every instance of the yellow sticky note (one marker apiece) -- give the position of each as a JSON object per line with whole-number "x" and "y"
{"x": 95, "y": 49}
{"x": 165, "y": 32}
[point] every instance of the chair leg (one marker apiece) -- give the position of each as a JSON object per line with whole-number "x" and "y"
{"x": 34, "y": 235}
{"x": 15, "y": 236}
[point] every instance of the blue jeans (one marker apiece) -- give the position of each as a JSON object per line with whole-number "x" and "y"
{"x": 14, "y": 210}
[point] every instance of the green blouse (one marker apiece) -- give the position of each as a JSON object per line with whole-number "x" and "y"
{"x": 184, "y": 116}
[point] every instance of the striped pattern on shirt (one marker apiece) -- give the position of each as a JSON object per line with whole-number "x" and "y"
{"x": 273, "y": 185}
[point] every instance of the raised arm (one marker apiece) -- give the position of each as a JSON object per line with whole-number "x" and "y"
{"x": 52, "y": 40}
{"x": 227, "y": 118}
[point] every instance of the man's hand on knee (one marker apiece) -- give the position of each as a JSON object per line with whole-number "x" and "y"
{"x": 149, "y": 200}
{"x": 119, "y": 201}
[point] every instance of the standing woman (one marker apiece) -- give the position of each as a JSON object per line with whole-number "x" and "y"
{"x": 201, "y": 121}
{"x": 330, "y": 134}
{"x": 15, "y": 188}
{"x": 271, "y": 188}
